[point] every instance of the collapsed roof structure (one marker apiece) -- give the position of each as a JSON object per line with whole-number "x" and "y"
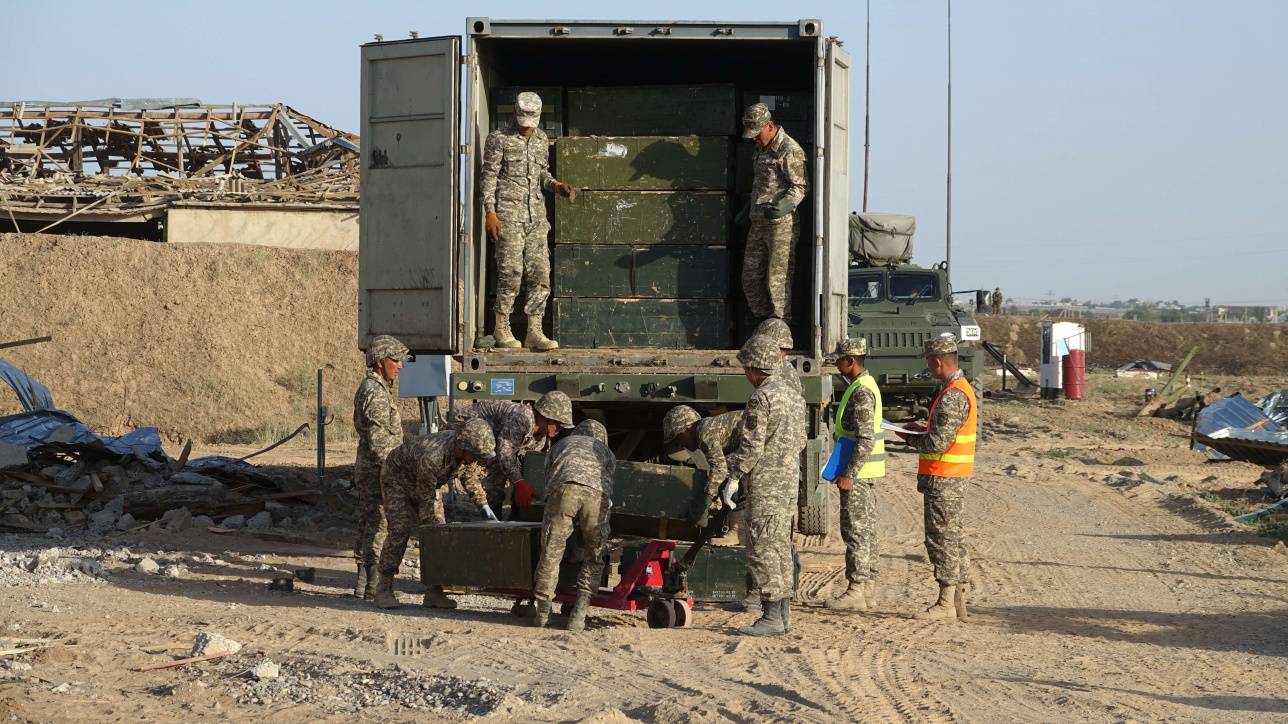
{"x": 131, "y": 159}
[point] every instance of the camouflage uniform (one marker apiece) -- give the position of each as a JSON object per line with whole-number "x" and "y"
{"x": 579, "y": 484}
{"x": 516, "y": 170}
{"x": 411, "y": 480}
{"x": 770, "y": 256}
{"x": 942, "y": 502}
{"x": 512, "y": 424}
{"x": 771, "y": 438}
{"x": 997, "y": 300}
{"x": 379, "y": 428}
{"x": 859, "y": 503}
{"x": 718, "y": 436}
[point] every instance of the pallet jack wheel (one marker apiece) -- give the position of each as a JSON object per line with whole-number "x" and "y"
{"x": 683, "y": 613}
{"x": 661, "y": 614}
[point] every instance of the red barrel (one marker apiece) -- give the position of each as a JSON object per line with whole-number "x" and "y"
{"x": 1074, "y": 365}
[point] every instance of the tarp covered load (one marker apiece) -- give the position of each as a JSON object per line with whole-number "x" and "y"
{"x": 1276, "y": 407}
{"x": 1143, "y": 368}
{"x": 882, "y": 238}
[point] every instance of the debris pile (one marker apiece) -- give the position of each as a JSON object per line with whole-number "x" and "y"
{"x": 1144, "y": 368}
{"x": 1234, "y": 428}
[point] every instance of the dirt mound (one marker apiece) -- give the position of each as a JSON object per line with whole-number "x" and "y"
{"x": 1233, "y": 349}
{"x": 210, "y": 342}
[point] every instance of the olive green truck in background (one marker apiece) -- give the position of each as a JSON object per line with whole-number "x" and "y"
{"x": 644, "y": 120}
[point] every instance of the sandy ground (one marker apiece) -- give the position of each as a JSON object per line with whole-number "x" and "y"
{"x": 1104, "y": 590}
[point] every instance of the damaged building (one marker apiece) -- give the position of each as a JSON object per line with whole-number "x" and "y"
{"x": 177, "y": 170}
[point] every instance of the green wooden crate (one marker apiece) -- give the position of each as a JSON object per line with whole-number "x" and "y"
{"x": 501, "y": 106}
{"x": 669, "y": 272}
{"x": 663, "y": 323}
{"x": 644, "y": 162}
{"x": 643, "y": 217}
{"x": 703, "y": 110}
{"x": 479, "y": 555}
{"x": 641, "y": 489}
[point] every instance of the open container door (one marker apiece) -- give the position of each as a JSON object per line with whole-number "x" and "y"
{"x": 836, "y": 209}
{"x": 410, "y": 208}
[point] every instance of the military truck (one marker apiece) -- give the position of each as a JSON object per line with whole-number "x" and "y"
{"x": 643, "y": 119}
{"x": 897, "y": 306}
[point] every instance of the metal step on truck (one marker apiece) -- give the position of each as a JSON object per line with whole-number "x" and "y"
{"x": 644, "y": 121}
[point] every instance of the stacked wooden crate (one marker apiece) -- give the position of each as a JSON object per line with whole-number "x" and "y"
{"x": 641, "y": 259}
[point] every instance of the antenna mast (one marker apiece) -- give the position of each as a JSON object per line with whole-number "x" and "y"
{"x": 948, "y": 233}
{"x": 867, "y": 103}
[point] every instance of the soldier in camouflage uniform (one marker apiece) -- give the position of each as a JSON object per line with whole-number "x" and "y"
{"x": 778, "y": 187}
{"x": 579, "y": 484}
{"x": 410, "y": 482}
{"x": 379, "y": 428}
{"x": 858, "y": 419}
{"x": 518, "y": 431}
{"x": 945, "y": 464}
{"x": 771, "y": 438}
{"x": 516, "y": 172}
{"x": 777, "y": 330}
{"x": 997, "y": 300}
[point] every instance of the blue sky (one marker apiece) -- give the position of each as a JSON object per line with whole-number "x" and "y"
{"x": 1102, "y": 148}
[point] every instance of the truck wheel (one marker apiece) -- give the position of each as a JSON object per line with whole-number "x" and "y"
{"x": 819, "y": 519}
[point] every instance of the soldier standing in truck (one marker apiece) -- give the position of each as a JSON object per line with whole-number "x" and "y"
{"x": 946, "y": 462}
{"x": 997, "y": 300}
{"x": 579, "y": 479}
{"x": 858, "y": 418}
{"x": 516, "y": 173}
{"x": 379, "y": 428}
{"x": 778, "y": 186}
{"x": 772, "y": 435}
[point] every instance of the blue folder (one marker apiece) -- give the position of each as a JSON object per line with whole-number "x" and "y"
{"x": 842, "y": 451}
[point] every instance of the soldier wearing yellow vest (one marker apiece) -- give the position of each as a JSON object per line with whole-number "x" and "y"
{"x": 946, "y": 461}
{"x": 858, "y": 417}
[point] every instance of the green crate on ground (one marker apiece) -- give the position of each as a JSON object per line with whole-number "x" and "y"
{"x": 664, "y": 271}
{"x": 479, "y": 555}
{"x": 641, "y": 489}
{"x": 702, "y": 110}
{"x": 643, "y": 217}
{"x": 644, "y": 162}
{"x": 664, "y": 323}
{"x": 501, "y": 105}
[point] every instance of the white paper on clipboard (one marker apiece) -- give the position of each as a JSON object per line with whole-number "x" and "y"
{"x": 891, "y": 427}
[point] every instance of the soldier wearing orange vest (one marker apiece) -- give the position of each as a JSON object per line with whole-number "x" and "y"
{"x": 947, "y": 460}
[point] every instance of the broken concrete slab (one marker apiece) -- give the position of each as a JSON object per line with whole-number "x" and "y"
{"x": 210, "y": 643}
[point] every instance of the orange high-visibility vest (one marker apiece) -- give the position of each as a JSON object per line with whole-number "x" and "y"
{"x": 958, "y": 461}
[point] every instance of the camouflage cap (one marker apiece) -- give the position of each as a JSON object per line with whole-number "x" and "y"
{"x": 555, "y": 406}
{"x": 677, "y": 420}
{"x": 477, "y": 437}
{"x": 527, "y": 109}
{"x": 762, "y": 353}
{"x": 945, "y": 343}
{"x": 754, "y": 119}
{"x": 852, "y": 347}
{"x": 592, "y": 428}
{"x": 777, "y": 330}
{"x": 385, "y": 347}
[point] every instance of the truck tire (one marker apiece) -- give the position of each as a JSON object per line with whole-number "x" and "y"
{"x": 820, "y": 519}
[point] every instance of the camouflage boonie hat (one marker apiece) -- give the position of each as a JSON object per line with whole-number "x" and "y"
{"x": 385, "y": 347}
{"x": 762, "y": 353}
{"x": 527, "y": 109}
{"x": 777, "y": 330}
{"x": 945, "y": 343}
{"x": 555, "y": 406}
{"x": 676, "y": 420}
{"x": 754, "y": 119}
{"x": 592, "y": 428}
{"x": 852, "y": 347}
{"x": 477, "y": 437}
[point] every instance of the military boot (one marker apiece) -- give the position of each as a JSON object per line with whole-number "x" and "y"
{"x": 943, "y": 609}
{"x": 373, "y": 577}
{"x": 770, "y": 622}
{"x": 435, "y": 598}
{"x": 854, "y": 599}
{"x": 577, "y": 619}
{"x": 501, "y": 331}
{"x": 749, "y": 603}
{"x": 360, "y": 585}
{"x": 536, "y": 340}
{"x": 785, "y": 610}
{"x": 385, "y": 597}
{"x": 959, "y": 601}
{"x": 542, "y": 616}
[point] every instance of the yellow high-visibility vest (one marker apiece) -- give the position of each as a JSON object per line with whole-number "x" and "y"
{"x": 874, "y": 464}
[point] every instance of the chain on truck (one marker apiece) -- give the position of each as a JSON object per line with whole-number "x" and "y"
{"x": 643, "y": 120}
